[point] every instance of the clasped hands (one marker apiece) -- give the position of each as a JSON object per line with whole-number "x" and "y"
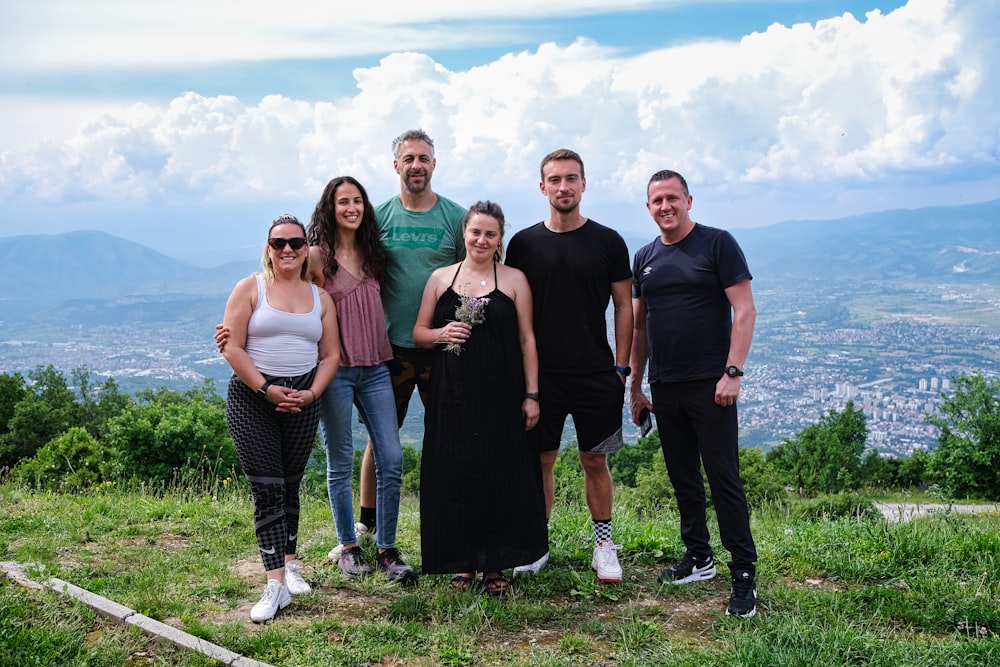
{"x": 289, "y": 399}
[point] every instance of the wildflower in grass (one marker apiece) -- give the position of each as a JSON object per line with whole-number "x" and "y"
{"x": 472, "y": 311}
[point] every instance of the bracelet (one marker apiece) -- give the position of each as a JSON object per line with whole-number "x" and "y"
{"x": 533, "y": 395}
{"x": 313, "y": 394}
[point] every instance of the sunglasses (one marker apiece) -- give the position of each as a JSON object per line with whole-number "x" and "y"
{"x": 279, "y": 243}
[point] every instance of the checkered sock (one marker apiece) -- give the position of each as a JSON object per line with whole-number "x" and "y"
{"x": 602, "y": 530}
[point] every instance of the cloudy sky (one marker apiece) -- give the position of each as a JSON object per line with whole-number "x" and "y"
{"x": 187, "y": 125}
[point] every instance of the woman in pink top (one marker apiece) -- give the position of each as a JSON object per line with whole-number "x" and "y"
{"x": 348, "y": 260}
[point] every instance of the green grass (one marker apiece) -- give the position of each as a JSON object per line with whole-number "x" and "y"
{"x": 849, "y": 591}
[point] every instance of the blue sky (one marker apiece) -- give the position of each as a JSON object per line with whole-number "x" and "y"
{"x": 164, "y": 122}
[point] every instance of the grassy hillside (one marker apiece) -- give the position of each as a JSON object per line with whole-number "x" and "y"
{"x": 855, "y": 590}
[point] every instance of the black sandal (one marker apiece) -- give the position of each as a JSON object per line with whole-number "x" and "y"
{"x": 495, "y": 583}
{"x": 460, "y": 582}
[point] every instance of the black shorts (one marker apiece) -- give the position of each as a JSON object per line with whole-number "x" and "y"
{"x": 595, "y": 401}
{"x": 410, "y": 368}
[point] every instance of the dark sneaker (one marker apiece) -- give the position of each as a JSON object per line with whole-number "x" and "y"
{"x": 743, "y": 600}
{"x": 389, "y": 562}
{"x": 361, "y": 531}
{"x": 352, "y": 563}
{"x": 687, "y": 569}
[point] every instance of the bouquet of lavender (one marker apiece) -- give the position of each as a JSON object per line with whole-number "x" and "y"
{"x": 472, "y": 311}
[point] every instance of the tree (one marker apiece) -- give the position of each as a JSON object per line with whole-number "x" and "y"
{"x": 967, "y": 459}
{"x": 47, "y": 409}
{"x": 909, "y": 473}
{"x": 826, "y": 457}
{"x": 97, "y": 405}
{"x": 12, "y": 390}
{"x": 626, "y": 462}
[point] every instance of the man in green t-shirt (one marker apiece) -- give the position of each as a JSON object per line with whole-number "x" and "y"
{"x": 422, "y": 231}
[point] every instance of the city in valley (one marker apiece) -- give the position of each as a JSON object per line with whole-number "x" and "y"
{"x": 891, "y": 351}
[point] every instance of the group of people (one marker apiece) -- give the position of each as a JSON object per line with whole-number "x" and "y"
{"x": 368, "y": 304}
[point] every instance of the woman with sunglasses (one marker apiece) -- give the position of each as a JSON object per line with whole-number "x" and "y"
{"x": 284, "y": 348}
{"x": 348, "y": 259}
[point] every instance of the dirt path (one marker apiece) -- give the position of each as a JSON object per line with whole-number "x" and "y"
{"x": 907, "y": 511}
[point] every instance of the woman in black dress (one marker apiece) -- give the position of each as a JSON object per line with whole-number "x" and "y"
{"x": 482, "y": 509}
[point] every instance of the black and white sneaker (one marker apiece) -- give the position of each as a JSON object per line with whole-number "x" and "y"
{"x": 743, "y": 600}
{"x": 688, "y": 569}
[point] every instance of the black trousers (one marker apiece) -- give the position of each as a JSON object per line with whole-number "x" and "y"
{"x": 694, "y": 430}
{"x": 274, "y": 448}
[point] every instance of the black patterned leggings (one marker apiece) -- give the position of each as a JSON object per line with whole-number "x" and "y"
{"x": 274, "y": 448}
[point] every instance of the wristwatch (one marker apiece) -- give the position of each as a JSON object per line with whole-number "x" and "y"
{"x": 263, "y": 388}
{"x": 734, "y": 371}
{"x": 624, "y": 370}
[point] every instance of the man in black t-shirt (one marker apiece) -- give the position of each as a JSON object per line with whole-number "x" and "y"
{"x": 575, "y": 266}
{"x": 694, "y": 318}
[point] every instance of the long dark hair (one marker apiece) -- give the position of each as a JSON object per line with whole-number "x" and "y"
{"x": 323, "y": 227}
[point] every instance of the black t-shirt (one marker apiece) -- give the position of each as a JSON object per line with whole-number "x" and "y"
{"x": 689, "y": 319}
{"x": 570, "y": 274}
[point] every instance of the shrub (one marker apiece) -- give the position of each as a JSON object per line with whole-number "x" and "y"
{"x": 652, "y": 490}
{"x": 835, "y": 506}
{"x": 174, "y": 437}
{"x": 71, "y": 462}
{"x": 826, "y": 457}
{"x": 627, "y": 461}
{"x": 411, "y": 469}
{"x": 762, "y": 483}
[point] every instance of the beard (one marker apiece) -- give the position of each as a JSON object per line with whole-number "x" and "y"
{"x": 566, "y": 208}
{"x": 414, "y": 188}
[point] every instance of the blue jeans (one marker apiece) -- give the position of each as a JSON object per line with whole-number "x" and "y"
{"x": 369, "y": 388}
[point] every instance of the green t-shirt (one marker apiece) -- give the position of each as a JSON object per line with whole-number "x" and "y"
{"x": 417, "y": 243}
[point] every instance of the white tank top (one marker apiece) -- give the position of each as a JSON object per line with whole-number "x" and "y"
{"x": 280, "y": 343}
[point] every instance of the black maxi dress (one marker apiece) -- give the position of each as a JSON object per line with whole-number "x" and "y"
{"x": 482, "y": 507}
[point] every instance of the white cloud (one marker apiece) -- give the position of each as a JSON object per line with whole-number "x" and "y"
{"x": 44, "y": 34}
{"x": 817, "y": 115}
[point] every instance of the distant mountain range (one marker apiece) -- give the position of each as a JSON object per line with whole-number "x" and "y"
{"x": 45, "y": 271}
{"x": 943, "y": 244}
{"x": 958, "y": 244}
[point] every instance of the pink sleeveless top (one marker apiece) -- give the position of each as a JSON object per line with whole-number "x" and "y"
{"x": 363, "y": 337}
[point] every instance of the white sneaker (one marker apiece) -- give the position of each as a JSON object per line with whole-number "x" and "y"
{"x": 605, "y": 562}
{"x": 532, "y": 568}
{"x": 294, "y": 582}
{"x": 360, "y": 530}
{"x": 275, "y": 597}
